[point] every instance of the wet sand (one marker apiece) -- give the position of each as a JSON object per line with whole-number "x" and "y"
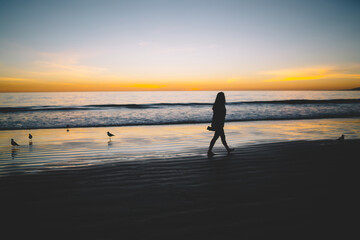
{"x": 54, "y": 149}
{"x": 284, "y": 190}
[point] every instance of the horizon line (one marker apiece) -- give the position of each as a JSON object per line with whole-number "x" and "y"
{"x": 228, "y": 90}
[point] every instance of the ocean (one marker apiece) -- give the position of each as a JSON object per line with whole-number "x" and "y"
{"x": 103, "y": 109}
{"x": 160, "y": 125}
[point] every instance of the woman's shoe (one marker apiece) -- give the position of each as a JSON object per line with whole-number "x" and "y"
{"x": 230, "y": 150}
{"x": 210, "y": 153}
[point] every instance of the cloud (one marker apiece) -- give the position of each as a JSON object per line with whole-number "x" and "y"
{"x": 64, "y": 63}
{"x": 75, "y": 68}
{"x": 165, "y": 50}
{"x": 146, "y": 86}
{"x": 351, "y": 71}
{"x": 13, "y": 79}
{"x": 231, "y": 80}
{"x": 144, "y": 43}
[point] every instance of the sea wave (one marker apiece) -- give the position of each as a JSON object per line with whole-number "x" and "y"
{"x": 164, "y": 105}
{"x": 43, "y": 125}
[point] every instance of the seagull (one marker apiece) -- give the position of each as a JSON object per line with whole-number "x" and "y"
{"x": 14, "y": 143}
{"x": 341, "y": 138}
{"x": 110, "y": 135}
{"x": 30, "y": 136}
{"x": 67, "y": 126}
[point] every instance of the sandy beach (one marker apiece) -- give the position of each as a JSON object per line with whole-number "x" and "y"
{"x": 287, "y": 190}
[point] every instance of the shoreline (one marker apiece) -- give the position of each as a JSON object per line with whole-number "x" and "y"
{"x": 283, "y": 190}
{"x": 198, "y": 155}
{"x": 337, "y": 117}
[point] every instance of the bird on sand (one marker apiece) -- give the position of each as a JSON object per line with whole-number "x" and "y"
{"x": 341, "y": 138}
{"x": 30, "y": 136}
{"x": 14, "y": 143}
{"x": 110, "y": 135}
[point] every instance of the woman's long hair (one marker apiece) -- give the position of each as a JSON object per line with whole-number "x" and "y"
{"x": 219, "y": 101}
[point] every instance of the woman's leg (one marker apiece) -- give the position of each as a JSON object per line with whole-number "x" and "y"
{"x": 223, "y": 140}
{"x": 213, "y": 140}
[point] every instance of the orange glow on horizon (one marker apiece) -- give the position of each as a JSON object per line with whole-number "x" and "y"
{"x": 200, "y": 86}
{"x": 315, "y": 78}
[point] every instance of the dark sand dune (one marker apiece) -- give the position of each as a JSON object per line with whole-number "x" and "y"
{"x": 292, "y": 190}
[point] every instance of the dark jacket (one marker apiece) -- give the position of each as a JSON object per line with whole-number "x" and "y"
{"x": 218, "y": 119}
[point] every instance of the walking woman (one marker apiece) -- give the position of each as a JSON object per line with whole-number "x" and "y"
{"x": 217, "y": 123}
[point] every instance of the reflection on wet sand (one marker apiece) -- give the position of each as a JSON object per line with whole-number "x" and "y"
{"x": 109, "y": 144}
{"x": 55, "y": 148}
{"x": 14, "y": 152}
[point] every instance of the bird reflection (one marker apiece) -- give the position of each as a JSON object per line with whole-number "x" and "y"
{"x": 109, "y": 144}
{"x": 14, "y": 152}
{"x": 30, "y": 147}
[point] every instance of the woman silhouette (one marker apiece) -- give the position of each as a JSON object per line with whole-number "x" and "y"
{"x": 217, "y": 123}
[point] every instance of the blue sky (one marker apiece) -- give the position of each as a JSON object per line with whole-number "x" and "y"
{"x": 180, "y": 44}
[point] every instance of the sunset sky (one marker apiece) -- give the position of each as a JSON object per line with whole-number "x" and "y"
{"x": 179, "y": 45}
